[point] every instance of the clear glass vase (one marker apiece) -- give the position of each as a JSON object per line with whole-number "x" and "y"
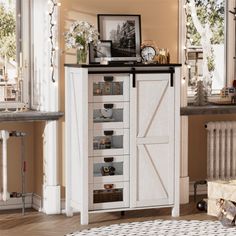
{"x": 82, "y": 55}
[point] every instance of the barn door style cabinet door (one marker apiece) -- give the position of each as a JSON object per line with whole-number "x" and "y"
{"x": 152, "y": 140}
{"x": 122, "y": 138}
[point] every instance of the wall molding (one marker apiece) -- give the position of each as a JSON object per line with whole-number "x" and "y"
{"x": 37, "y": 203}
{"x": 32, "y": 200}
{"x": 16, "y": 203}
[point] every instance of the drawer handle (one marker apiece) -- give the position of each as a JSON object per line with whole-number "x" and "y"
{"x": 108, "y": 78}
{"x": 108, "y": 132}
{"x": 108, "y": 186}
{"x": 108, "y": 106}
{"x": 108, "y": 159}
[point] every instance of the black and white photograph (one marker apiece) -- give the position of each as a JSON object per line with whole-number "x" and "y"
{"x": 124, "y": 32}
{"x": 102, "y": 50}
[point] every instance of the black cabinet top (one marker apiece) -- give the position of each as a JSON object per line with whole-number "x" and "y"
{"x": 128, "y": 64}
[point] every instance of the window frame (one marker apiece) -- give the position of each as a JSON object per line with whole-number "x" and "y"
{"x": 26, "y": 50}
{"x": 22, "y": 47}
{"x": 229, "y": 47}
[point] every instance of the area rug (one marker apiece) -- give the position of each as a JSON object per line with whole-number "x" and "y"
{"x": 161, "y": 228}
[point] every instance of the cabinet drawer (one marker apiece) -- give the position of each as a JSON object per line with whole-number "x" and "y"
{"x": 108, "y": 196}
{"x": 108, "y": 169}
{"x": 108, "y": 142}
{"x": 109, "y": 115}
{"x": 108, "y": 88}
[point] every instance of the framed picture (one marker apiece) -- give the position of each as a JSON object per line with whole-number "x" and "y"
{"x": 125, "y": 33}
{"x": 102, "y": 50}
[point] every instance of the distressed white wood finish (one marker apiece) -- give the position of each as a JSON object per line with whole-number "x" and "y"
{"x": 45, "y": 98}
{"x": 76, "y": 133}
{"x": 51, "y": 205}
{"x": 177, "y": 140}
{"x": 152, "y": 157}
{"x": 154, "y": 129}
{"x": 44, "y": 91}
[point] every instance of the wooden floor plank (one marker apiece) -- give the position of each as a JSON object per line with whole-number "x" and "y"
{"x": 38, "y": 224}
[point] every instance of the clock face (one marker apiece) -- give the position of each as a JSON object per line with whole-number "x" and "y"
{"x": 148, "y": 53}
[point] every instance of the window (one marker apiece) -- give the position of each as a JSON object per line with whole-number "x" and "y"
{"x": 13, "y": 53}
{"x": 207, "y": 26}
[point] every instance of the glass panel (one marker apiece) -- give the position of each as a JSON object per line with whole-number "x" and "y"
{"x": 107, "y": 195}
{"x": 108, "y": 115}
{"x": 107, "y": 169}
{"x": 107, "y": 142}
{"x": 10, "y": 74}
{"x": 204, "y": 44}
{"x": 107, "y": 88}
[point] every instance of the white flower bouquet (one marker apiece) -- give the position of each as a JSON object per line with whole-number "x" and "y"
{"x": 80, "y": 34}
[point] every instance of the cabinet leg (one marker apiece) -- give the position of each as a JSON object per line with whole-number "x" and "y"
{"x": 122, "y": 213}
{"x": 84, "y": 220}
{"x": 175, "y": 211}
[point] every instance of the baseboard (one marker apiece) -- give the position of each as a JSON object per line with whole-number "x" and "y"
{"x": 32, "y": 200}
{"x": 201, "y": 189}
{"x": 37, "y": 202}
{"x": 16, "y": 203}
{"x": 184, "y": 190}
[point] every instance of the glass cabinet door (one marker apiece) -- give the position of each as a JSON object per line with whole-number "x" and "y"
{"x": 108, "y": 142}
{"x": 109, "y": 88}
{"x": 109, "y": 115}
{"x": 108, "y": 169}
{"x": 108, "y": 195}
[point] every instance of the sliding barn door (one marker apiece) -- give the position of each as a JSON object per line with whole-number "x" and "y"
{"x": 152, "y": 140}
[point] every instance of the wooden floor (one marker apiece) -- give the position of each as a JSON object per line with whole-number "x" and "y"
{"x": 38, "y": 224}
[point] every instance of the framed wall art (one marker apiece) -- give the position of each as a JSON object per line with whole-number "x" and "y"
{"x": 125, "y": 33}
{"x": 102, "y": 50}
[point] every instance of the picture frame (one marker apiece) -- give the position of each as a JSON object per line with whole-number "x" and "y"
{"x": 102, "y": 50}
{"x": 125, "y": 33}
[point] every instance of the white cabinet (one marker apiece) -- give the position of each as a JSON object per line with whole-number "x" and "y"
{"x": 122, "y": 138}
{"x": 152, "y": 140}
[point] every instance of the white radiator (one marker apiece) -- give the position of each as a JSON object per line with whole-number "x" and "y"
{"x": 221, "y": 150}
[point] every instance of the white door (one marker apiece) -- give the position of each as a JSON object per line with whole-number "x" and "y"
{"x": 152, "y": 140}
